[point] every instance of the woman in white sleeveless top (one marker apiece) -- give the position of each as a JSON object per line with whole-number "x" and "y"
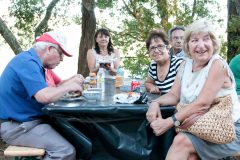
{"x": 202, "y": 78}
{"x": 103, "y": 55}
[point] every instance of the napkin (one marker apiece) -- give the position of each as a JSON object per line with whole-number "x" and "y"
{"x": 129, "y": 97}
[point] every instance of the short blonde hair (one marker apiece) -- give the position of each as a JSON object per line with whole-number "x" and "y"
{"x": 201, "y": 26}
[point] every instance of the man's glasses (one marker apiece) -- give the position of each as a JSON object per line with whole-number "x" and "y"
{"x": 178, "y": 38}
{"x": 159, "y": 47}
{"x": 59, "y": 52}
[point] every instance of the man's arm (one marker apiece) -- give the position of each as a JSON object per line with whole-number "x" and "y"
{"x": 51, "y": 94}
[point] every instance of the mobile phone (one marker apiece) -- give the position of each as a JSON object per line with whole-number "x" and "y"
{"x": 105, "y": 64}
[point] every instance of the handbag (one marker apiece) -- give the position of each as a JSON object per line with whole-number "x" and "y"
{"x": 216, "y": 125}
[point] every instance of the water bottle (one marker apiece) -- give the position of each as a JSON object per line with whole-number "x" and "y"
{"x": 101, "y": 79}
{"x": 120, "y": 71}
{"x": 119, "y": 77}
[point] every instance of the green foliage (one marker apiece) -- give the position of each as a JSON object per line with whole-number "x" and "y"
{"x": 136, "y": 17}
{"x": 234, "y": 35}
{"x": 102, "y": 4}
{"x": 138, "y": 65}
{"x": 142, "y": 16}
{"x": 29, "y": 13}
{"x": 25, "y": 12}
{"x": 223, "y": 51}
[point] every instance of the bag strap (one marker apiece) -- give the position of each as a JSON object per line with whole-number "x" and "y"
{"x": 190, "y": 120}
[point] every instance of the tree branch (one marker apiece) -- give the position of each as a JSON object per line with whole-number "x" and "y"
{"x": 43, "y": 24}
{"x": 128, "y": 9}
{"x": 9, "y": 37}
{"x": 237, "y": 6}
{"x": 89, "y": 5}
{"x": 194, "y": 8}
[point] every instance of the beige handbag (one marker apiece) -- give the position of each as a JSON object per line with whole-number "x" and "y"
{"x": 216, "y": 125}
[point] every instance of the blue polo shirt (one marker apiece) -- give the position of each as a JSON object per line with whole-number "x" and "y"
{"x": 22, "y": 78}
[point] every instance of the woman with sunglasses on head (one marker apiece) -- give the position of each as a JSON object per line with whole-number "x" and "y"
{"x": 163, "y": 67}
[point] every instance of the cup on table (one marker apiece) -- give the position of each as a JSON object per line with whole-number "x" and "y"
{"x": 118, "y": 81}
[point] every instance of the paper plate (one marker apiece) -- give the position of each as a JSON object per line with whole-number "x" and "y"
{"x": 66, "y": 98}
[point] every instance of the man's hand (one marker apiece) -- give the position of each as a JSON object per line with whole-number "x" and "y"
{"x": 78, "y": 78}
{"x": 75, "y": 86}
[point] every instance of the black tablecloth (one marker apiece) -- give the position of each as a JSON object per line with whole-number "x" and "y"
{"x": 103, "y": 130}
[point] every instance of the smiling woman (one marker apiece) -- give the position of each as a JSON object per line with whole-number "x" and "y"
{"x": 163, "y": 68}
{"x": 103, "y": 56}
{"x": 203, "y": 79}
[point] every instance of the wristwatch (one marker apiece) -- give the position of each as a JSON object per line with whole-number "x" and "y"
{"x": 177, "y": 123}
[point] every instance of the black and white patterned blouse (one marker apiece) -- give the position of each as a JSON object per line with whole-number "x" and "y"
{"x": 167, "y": 83}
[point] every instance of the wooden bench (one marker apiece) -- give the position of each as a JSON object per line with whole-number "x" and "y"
{"x": 19, "y": 151}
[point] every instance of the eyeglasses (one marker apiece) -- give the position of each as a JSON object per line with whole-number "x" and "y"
{"x": 59, "y": 52}
{"x": 178, "y": 38}
{"x": 159, "y": 47}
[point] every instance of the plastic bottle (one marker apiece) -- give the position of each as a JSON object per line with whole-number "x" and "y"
{"x": 101, "y": 79}
{"x": 119, "y": 77}
{"x": 120, "y": 71}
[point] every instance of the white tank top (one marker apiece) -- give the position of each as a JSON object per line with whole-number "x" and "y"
{"x": 104, "y": 59}
{"x": 192, "y": 84}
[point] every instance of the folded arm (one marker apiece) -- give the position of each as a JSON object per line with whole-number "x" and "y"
{"x": 150, "y": 86}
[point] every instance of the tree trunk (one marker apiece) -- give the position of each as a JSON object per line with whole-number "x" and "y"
{"x": 9, "y": 37}
{"x": 88, "y": 30}
{"x": 233, "y": 28}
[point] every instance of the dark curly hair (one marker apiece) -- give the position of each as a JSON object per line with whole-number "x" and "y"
{"x": 154, "y": 34}
{"x": 105, "y": 32}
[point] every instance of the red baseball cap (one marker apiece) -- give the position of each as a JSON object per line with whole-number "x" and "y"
{"x": 55, "y": 38}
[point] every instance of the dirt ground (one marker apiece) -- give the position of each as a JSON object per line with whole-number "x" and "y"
{"x": 3, "y": 146}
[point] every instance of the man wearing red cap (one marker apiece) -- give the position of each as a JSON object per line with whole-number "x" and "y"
{"x": 24, "y": 92}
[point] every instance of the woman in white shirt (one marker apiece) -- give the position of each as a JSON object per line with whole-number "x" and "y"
{"x": 103, "y": 55}
{"x": 204, "y": 77}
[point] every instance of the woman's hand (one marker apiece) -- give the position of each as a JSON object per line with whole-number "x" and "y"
{"x": 154, "y": 89}
{"x": 108, "y": 67}
{"x": 160, "y": 125}
{"x": 153, "y": 112}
